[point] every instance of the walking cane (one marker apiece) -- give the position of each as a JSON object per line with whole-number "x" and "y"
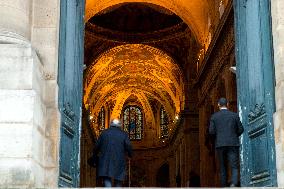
{"x": 129, "y": 182}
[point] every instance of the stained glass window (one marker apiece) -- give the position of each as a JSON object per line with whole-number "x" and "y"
{"x": 133, "y": 122}
{"x": 101, "y": 119}
{"x": 164, "y": 123}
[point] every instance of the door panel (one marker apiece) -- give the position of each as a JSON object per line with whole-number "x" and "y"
{"x": 255, "y": 81}
{"x": 70, "y": 73}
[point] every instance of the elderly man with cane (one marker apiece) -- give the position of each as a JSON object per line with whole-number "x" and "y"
{"x": 112, "y": 147}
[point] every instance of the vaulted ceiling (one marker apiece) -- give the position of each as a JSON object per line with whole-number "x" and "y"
{"x": 134, "y": 70}
{"x": 136, "y": 18}
{"x": 137, "y": 53}
{"x": 193, "y": 12}
{"x": 143, "y": 51}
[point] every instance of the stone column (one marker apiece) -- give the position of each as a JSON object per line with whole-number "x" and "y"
{"x": 208, "y": 166}
{"x": 191, "y": 135}
{"x": 172, "y": 169}
{"x": 231, "y": 89}
{"x": 22, "y": 118}
{"x": 15, "y": 20}
{"x": 28, "y": 114}
{"x": 277, "y": 7}
{"x": 203, "y": 149}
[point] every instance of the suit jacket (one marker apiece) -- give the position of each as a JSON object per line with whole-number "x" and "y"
{"x": 112, "y": 147}
{"x": 226, "y": 127}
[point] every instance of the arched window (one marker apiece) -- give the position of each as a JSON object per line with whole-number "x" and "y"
{"x": 133, "y": 122}
{"x": 164, "y": 123}
{"x": 101, "y": 119}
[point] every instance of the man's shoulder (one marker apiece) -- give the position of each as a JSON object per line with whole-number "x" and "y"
{"x": 120, "y": 131}
{"x": 217, "y": 114}
{"x": 124, "y": 132}
{"x": 224, "y": 112}
{"x": 104, "y": 132}
{"x": 233, "y": 113}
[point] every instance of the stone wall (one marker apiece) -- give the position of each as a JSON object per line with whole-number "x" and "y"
{"x": 16, "y": 17}
{"x": 215, "y": 80}
{"x": 277, "y": 7}
{"x": 28, "y": 93}
{"x": 44, "y": 39}
{"x": 22, "y": 117}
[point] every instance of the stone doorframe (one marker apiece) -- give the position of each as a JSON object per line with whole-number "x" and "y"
{"x": 277, "y": 15}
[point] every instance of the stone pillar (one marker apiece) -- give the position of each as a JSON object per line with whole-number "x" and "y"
{"x": 22, "y": 118}
{"x": 203, "y": 149}
{"x": 191, "y": 136}
{"x": 152, "y": 173}
{"x": 15, "y": 18}
{"x": 29, "y": 123}
{"x": 277, "y": 7}
{"x": 208, "y": 163}
{"x": 231, "y": 90}
{"x": 172, "y": 169}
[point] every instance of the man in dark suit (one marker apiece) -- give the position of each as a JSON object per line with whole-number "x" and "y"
{"x": 226, "y": 128}
{"x": 112, "y": 147}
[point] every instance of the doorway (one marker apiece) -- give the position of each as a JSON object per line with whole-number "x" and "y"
{"x": 178, "y": 42}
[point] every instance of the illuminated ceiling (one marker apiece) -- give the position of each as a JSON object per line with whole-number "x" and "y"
{"x": 193, "y": 12}
{"x": 134, "y": 70}
{"x": 136, "y": 18}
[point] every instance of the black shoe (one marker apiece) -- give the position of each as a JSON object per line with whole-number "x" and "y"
{"x": 233, "y": 185}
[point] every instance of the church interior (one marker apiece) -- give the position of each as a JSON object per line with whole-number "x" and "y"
{"x": 67, "y": 67}
{"x": 162, "y": 76}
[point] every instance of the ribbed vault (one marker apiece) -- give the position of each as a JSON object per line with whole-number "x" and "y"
{"x": 134, "y": 70}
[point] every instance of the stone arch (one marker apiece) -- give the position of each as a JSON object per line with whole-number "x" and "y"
{"x": 194, "y": 13}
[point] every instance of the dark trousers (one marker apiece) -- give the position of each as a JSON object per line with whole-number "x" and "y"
{"x": 228, "y": 154}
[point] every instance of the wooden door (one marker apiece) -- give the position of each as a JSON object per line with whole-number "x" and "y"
{"x": 255, "y": 81}
{"x": 70, "y": 74}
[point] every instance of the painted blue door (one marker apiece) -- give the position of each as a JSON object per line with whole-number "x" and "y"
{"x": 255, "y": 81}
{"x": 70, "y": 73}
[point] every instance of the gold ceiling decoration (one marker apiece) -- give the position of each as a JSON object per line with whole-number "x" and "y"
{"x": 193, "y": 12}
{"x": 134, "y": 69}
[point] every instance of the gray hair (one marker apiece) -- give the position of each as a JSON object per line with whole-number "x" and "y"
{"x": 115, "y": 123}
